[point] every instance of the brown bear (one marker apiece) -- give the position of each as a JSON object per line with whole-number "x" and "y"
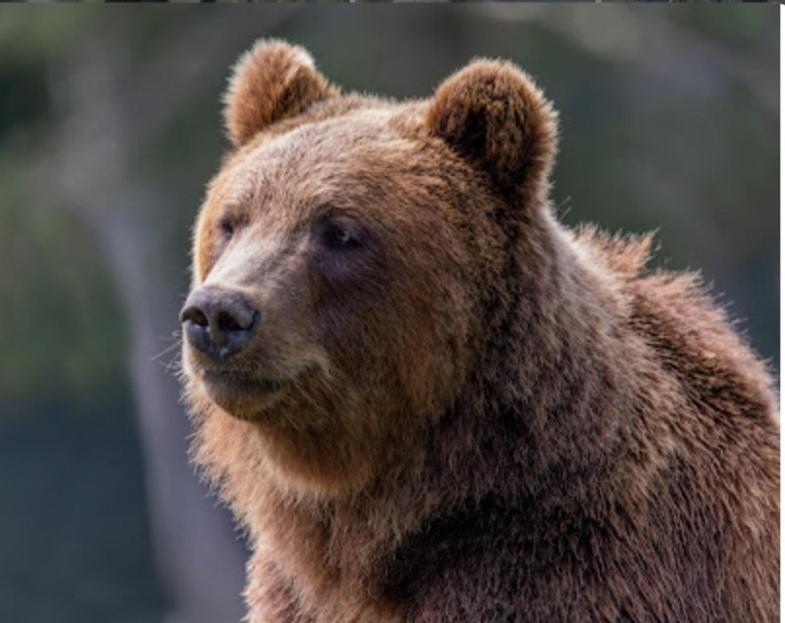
{"x": 428, "y": 401}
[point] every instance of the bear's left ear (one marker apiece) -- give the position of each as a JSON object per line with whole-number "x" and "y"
{"x": 494, "y": 115}
{"x": 272, "y": 81}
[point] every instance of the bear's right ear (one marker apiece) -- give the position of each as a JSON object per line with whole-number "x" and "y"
{"x": 493, "y": 114}
{"x": 272, "y": 81}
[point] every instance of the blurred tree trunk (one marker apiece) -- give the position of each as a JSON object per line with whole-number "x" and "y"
{"x": 200, "y": 560}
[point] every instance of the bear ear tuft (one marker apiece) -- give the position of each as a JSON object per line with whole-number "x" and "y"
{"x": 493, "y": 114}
{"x": 271, "y": 81}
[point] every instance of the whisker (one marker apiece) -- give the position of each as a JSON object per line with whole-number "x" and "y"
{"x": 166, "y": 350}
{"x": 175, "y": 363}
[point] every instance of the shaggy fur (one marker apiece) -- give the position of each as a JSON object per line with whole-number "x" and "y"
{"x": 484, "y": 416}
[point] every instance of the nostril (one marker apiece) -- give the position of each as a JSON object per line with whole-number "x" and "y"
{"x": 195, "y": 315}
{"x": 228, "y": 322}
{"x": 235, "y": 316}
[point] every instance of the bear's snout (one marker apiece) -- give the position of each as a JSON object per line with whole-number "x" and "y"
{"x": 218, "y": 321}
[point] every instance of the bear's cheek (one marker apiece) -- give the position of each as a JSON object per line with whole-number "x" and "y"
{"x": 355, "y": 310}
{"x": 384, "y": 344}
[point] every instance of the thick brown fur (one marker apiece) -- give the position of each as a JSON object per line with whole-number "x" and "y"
{"x": 486, "y": 416}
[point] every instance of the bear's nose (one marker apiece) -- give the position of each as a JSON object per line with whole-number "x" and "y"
{"x": 218, "y": 321}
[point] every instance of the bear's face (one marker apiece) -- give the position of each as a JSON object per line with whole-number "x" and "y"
{"x": 338, "y": 236}
{"x": 341, "y": 255}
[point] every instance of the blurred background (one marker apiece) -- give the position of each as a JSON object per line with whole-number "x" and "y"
{"x": 110, "y": 128}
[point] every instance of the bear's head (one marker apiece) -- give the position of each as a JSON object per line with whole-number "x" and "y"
{"x": 347, "y": 256}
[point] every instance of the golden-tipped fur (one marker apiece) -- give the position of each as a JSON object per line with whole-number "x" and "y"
{"x": 270, "y": 82}
{"x": 486, "y": 416}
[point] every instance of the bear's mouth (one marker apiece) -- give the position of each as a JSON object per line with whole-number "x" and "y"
{"x": 241, "y": 394}
{"x": 240, "y": 381}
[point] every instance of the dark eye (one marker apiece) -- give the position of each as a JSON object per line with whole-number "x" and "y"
{"x": 339, "y": 236}
{"x": 227, "y": 227}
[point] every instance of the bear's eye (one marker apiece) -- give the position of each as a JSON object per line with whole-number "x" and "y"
{"x": 339, "y": 236}
{"x": 227, "y": 227}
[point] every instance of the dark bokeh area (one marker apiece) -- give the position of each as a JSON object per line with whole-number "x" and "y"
{"x": 110, "y": 128}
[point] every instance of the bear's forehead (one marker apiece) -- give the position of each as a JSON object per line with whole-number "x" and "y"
{"x": 355, "y": 154}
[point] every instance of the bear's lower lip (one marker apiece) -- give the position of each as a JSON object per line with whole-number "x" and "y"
{"x": 240, "y": 394}
{"x": 241, "y": 382}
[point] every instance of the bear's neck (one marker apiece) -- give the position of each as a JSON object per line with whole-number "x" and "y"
{"x": 552, "y": 396}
